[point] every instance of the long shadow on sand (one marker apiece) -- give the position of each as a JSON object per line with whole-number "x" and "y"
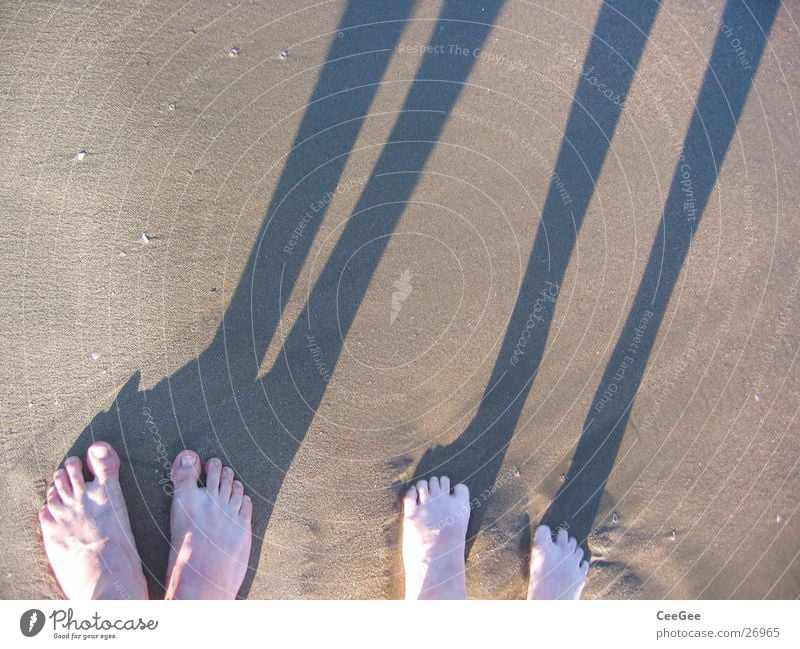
{"x": 719, "y": 105}
{"x": 217, "y": 404}
{"x": 477, "y": 455}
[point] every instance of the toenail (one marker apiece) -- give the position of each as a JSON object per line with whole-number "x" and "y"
{"x": 100, "y": 451}
{"x": 187, "y": 460}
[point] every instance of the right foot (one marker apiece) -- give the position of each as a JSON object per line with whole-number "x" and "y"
{"x": 557, "y": 571}
{"x": 86, "y": 532}
{"x": 434, "y": 532}
{"x": 210, "y": 529}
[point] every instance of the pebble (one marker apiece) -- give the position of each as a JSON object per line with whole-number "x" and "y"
{"x": 80, "y": 155}
{"x": 233, "y": 52}
{"x": 171, "y": 106}
{"x": 615, "y": 517}
{"x": 95, "y": 356}
{"x": 779, "y": 519}
{"x": 516, "y": 473}
{"x": 144, "y": 238}
{"x": 283, "y": 54}
{"x": 673, "y": 535}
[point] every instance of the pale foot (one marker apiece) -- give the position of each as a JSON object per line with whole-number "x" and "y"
{"x": 86, "y": 532}
{"x": 210, "y": 529}
{"x": 557, "y": 569}
{"x": 434, "y": 532}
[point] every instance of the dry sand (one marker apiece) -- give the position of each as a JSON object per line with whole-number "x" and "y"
{"x": 332, "y": 344}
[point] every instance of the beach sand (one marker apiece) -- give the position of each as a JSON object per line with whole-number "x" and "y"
{"x": 343, "y": 256}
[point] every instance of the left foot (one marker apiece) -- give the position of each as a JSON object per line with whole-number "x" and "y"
{"x": 86, "y": 532}
{"x": 434, "y": 532}
{"x": 210, "y": 529}
{"x": 557, "y": 569}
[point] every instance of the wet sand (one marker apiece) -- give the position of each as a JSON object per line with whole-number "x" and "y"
{"x": 389, "y": 241}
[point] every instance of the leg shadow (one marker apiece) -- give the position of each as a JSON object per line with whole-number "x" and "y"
{"x": 216, "y": 404}
{"x": 719, "y": 104}
{"x": 475, "y": 457}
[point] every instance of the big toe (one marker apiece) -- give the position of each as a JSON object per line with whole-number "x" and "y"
{"x": 543, "y": 536}
{"x": 186, "y": 470}
{"x": 103, "y": 462}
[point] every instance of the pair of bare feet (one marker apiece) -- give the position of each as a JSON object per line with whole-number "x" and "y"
{"x": 434, "y": 533}
{"x": 88, "y": 539}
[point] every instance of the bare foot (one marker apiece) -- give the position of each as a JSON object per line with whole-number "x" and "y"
{"x": 210, "y": 527}
{"x": 434, "y": 531}
{"x": 557, "y": 571}
{"x": 86, "y": 532}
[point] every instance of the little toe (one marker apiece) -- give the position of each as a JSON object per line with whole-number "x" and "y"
{"x": 53, "y": 499}
{"x": 45, "y": 516}
{"x": 410, "y": 500}
{"x": 444, "y": 484}
{"x": 584, "y": 567}
{"x": 578, "y": 554}
{"x": 185, "y": 470}
{"x": 246, "y": 510}
{"x": 226, "y": 484}
{"x": 461, "y": 493}
{"x": 213, "y": 475}
{"x": 433, "y": 487}
{"x": 572, "y": 543}
{"x": 422, "y": 491}
{"x": 62, "y": 484}
{"x": 543, "y": 536}
{"x": 562, "y": 538}
{"x": 74, "y": 468}
{"x": 103, "y": 462}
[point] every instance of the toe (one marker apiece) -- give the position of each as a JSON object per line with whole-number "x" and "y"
{"x": 213, "y": 474}
{"x": 45, "y": 516}
{"x": 53, "y": 499}
{"x": 461, "y": 492}
{"x": 74, "y": 468}
{"x": 103, "y": 462}
{"x": 410, "y": 500}
{"x": 584, "y": 567}
{"x": 237, "y": 492}
{"x": 578, "y": 554}
{"x": 543, "y": 536}
{"x": 61, "y": 482}
{"x": 185, "y": 470}
{"x": 246, "y": 511}
{"x": 562, "y": 537}
{"x": 422, "y": 491}
{"x": 433, "y": 487}
{"x": 444, "y": 484}
{"x": 226, "y": 484}
{"x": 572, "y": 543}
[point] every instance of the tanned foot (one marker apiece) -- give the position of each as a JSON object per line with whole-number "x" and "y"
{"x": 210, "y": 528}
{"x": 434, "y": 532}
{"x": 86, "y": 532}
{"x": 557, "y": 568}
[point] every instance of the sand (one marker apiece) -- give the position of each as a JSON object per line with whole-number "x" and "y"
{"x": 347, "y": 245}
